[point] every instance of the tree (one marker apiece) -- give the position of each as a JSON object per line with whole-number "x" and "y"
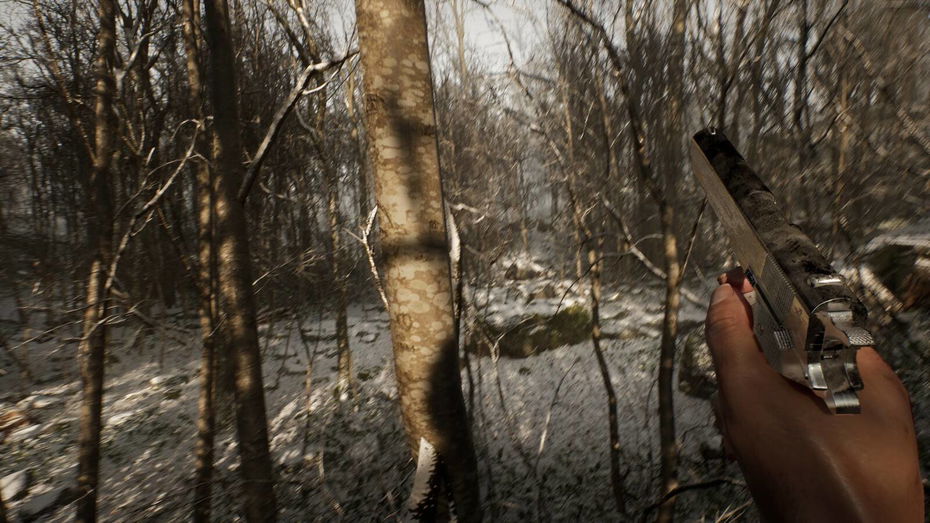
{"x": 666, "y": 201}
{"x": 238, "y": 326}
{"x": 205, "y": 277}
{"x": 405, "y": 165}
{"x": 99, "y": 233}
{"x": 657, "y": 161}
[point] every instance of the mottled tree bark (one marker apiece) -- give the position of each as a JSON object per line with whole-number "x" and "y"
{"x": 206, "y": 279}
{"x": 405, "y": 164}
{"x": 238, "y": 326}
{"x": 99, "y": 232}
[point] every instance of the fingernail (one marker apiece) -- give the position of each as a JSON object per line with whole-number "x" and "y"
{"x": 723, "y": 292}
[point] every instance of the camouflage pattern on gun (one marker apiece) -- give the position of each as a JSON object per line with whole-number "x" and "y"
{"x": 807, "y": 321}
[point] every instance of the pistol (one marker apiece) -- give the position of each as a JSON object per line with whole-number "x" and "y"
{"x": 806, "y": 319}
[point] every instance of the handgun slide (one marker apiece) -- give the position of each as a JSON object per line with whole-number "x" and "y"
{"x": 808, "y": 322}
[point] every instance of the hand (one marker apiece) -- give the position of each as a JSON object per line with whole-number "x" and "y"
{"x": 801, "y": 462}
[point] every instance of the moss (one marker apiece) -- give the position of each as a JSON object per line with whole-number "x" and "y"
{"x": 538, "y": 334}
{"x": 696, "y": 376}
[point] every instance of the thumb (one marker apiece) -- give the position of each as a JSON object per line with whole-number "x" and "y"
{"x": 729, "y": 334}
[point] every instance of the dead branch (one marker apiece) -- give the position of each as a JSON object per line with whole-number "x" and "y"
{"x": 299, "y": 90}
{"x": 641, "y": 256}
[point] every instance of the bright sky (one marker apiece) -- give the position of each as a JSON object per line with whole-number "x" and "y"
{"x": 483, "y": 36}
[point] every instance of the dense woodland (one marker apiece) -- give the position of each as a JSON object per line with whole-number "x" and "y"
{"x": 232, "y": 286}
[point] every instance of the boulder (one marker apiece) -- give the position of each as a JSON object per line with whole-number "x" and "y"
{"x": 696, "y": 375}
{"x": 522, "y": 336}
{"x": 901, "y": 261}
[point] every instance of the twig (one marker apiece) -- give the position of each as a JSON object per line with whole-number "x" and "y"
{"x": 363, "y": 239}
{"x": 690, "y": 486}
{"x": 148, "y": 209}
{"x": 639, "y": 255}
{"x": 552, "y": 404}
{"x": 275, "y": 127}
{"x": 694, "y": 230}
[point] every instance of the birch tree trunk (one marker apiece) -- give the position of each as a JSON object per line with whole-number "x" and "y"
{"x": 99, "y": 232}
{"x": 238, "y": 326}
{"x": 405, "y": 165}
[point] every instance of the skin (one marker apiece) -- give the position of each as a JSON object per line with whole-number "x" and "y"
{"x": 802, "y": 463}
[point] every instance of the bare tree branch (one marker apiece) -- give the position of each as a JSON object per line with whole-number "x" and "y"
{"x": 274, "y": 128}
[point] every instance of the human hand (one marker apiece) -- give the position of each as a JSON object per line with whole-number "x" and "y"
{"x": 801, "y": 462}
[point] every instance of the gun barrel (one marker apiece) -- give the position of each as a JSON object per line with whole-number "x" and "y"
{"x": 806, "y": 319}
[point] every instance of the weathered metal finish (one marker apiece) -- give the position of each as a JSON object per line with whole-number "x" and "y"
{"x": 807, "y": 321}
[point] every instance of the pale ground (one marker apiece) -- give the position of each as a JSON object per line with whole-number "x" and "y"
{"x": 540, "y": 424}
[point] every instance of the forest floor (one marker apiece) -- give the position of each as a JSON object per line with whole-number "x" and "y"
{"x": 540, "y": 424}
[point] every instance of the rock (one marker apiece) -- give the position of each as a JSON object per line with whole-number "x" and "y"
{"x": 15, "y": 485}
{"x": 291, "y": 458}
{"x": 119, "y": 419}
{"x": 172, "y": 393}
{"x": 25, "y": 433}
{"x": 522, "y": 336}
{"x": 546, "y": 292}
{"x": 631, "y": 333}
{"x": 168, "y": 381}
{"x": 613, "y": 313}
{"x": 367, "y": 374}
{"x": 13, "y": 419}
{"x": 42, "y": 402}
{"x": 44, "y": 503}
{"x": 901, "y": 261}
{"x": 696, "y": 375}
{"x": 524, "y": 269}
{"x": 366, "y": 337}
